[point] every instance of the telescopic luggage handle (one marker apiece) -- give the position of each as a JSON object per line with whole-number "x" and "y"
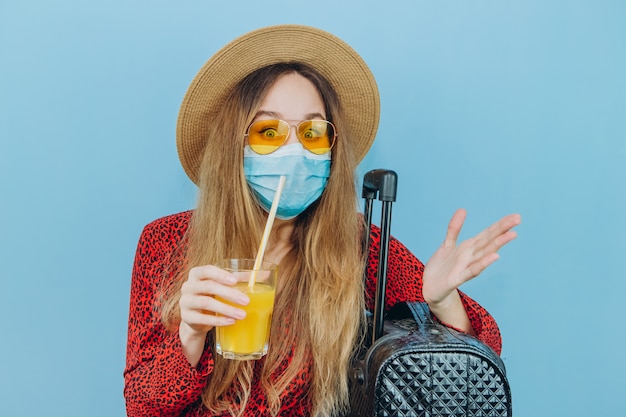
{"x": 384, "y": 183}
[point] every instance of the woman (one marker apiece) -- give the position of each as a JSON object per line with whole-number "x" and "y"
{"x": 245, "y": 120}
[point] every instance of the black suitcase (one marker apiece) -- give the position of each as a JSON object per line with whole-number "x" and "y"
{"x": 411, "y": 365}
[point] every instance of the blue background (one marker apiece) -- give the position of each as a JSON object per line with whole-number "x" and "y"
{"x": 495, "y": 106}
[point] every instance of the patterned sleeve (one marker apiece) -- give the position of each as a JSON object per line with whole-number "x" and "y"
{"x": 404, "y": 283}
{"x": 158, "y": 379}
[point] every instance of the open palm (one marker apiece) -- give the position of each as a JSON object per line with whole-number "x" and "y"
{"x": 452, "y": 265}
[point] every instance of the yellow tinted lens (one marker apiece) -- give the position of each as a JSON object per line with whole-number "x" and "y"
{"x": 265, "y": 136}
{"x": 318, "y": 136}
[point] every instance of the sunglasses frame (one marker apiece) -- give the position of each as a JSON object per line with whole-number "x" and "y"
{"x": 290, "y": 124}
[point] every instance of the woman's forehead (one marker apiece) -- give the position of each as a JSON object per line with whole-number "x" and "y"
{"x": 292, "y": 97}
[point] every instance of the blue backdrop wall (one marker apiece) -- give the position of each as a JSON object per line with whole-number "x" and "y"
{"x": 495, "y": 106}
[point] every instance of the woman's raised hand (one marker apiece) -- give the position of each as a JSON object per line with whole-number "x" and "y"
{"x": 198, "y": 307}
{"x": 452, "y": 265}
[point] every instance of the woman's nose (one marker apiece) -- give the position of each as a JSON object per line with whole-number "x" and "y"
{"x": 293, "y": 135}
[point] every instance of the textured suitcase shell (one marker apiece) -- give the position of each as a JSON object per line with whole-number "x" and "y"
{"x": 424, "y": 369}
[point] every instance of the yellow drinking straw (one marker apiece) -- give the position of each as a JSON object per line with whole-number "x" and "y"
{"x": 266, "y": 233}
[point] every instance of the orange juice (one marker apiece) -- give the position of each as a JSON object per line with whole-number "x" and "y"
{"x": 248, "y": 338}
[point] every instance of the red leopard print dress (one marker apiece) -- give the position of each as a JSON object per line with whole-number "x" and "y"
{"x": 159, "y": 381}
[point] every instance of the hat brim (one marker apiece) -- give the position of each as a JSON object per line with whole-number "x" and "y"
{"x": 334, "y": 59}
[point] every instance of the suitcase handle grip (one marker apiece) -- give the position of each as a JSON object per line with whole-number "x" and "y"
{"x": 382, "y": 181}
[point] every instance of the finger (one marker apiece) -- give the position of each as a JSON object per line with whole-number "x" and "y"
{"x": 210, "y": 305}
{"x": 506, "y": 223}
{"x": 481, "y": 260}
{"x": 215, "y": 288}
{"x": 479, "y": 266}
{"x": 196, "y": 319}
{"x": 454, "y": 228}
{"x": 495, "y": 231}
{"x": 493, "y": 246}
{"x": 211, "y": 272}
{"x": 502, "y": 240}
{"x": 208, "y": 288}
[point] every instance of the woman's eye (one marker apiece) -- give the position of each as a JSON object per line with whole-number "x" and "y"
{"x": 269, "y": 133}
{"x": 310, "y": 134}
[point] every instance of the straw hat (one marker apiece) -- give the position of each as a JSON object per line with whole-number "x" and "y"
{"x": 330, "y": 56}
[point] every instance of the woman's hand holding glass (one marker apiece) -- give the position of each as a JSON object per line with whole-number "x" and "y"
{"x": 200, "y": 311}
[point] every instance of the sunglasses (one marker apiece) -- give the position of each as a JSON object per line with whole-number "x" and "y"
{"x": 265, "y": 136}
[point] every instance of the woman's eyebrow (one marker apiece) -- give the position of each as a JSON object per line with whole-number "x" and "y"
{"x": 268, "y": 113}
{"x": 277, "y": 115}
{"x": 315, "y": 116}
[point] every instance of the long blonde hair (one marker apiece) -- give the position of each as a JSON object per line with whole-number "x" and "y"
{"x": 319, "y": 309}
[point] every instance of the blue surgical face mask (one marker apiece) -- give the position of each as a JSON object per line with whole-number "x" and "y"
{"x": 306, "y": 175}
